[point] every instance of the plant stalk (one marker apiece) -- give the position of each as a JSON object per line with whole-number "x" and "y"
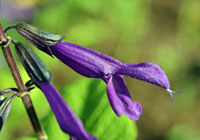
{"x": 21, "y": 87}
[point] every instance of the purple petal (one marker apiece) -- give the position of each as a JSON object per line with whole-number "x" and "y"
{"x": 91, "y": 137}
{"x": 66, "y": 118}
{"x": 85, "y": 61}
{"x": 72, "y": 138}
{"x": 120, "y": 100}
{"x": 148, "y": 72}
{"x": 91, "y": 63}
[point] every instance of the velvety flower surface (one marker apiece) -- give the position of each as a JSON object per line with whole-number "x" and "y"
{"x": 67, "y": 119}
{"x": 91, "y": 63}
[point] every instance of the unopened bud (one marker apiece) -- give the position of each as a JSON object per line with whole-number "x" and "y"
{"x": 32, "y": 64}
{"x": 40, "y": 38}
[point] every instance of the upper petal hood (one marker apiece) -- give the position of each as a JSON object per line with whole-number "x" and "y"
{"x": 148, "y": 72}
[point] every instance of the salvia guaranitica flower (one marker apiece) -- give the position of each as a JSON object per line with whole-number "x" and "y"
{"x": 40, "y": 38}
{"x": 91, "y": 63}
{"x": 66, "y": 118}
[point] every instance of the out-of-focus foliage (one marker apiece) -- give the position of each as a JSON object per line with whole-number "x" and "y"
{"x": 97, "y": 115}
{"x": 164, "y": 32}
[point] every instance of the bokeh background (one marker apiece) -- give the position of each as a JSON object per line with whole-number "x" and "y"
{"x": 163, "y": 32}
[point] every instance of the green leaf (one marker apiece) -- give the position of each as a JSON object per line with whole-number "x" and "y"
{"x": 89, "y": 101}
{"x": 52, "y": 128}
{"x": 27, "y": 138}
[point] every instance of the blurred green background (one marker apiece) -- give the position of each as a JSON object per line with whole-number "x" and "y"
{"x": 163, "y": 32}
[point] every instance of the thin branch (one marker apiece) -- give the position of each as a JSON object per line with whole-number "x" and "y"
{"x": 21, "y": 87}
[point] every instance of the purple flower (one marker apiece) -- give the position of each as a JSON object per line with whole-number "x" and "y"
{"x": 67, "y": 119}
{"x": 41, "y": 77}
{"x": 91, "y": 63}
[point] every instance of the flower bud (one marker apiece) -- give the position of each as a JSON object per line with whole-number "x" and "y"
{"x": 32, "y": 64}
{"x": 5, "y": 105}
{"x": 40, "y": 38}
